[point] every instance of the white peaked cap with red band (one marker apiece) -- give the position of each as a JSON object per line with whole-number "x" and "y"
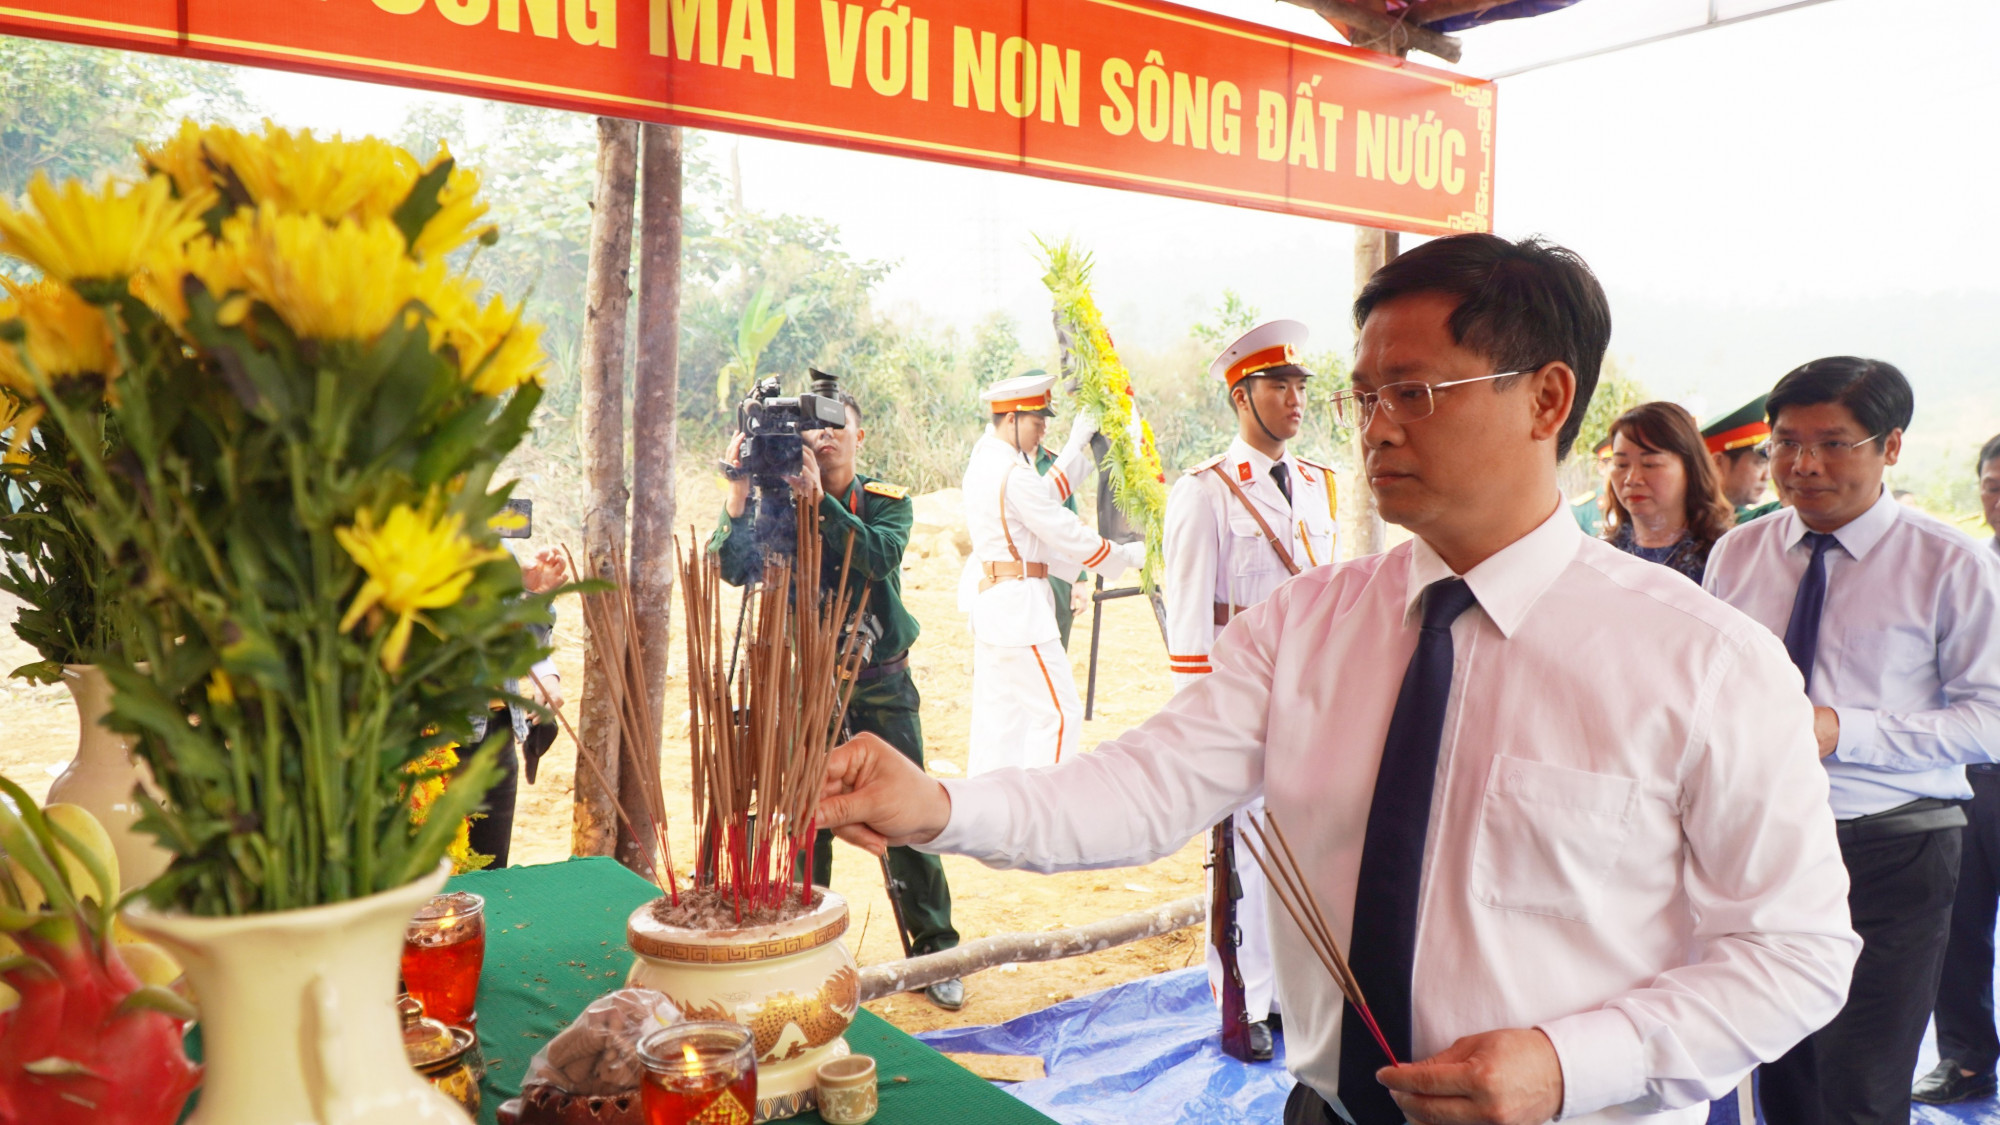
{"x": 1274, "y": 343}
{"x": 1020, "y": 394}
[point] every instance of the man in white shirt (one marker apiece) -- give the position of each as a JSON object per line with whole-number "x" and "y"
{"x": 1968, "y": 1042}
{"x": 1238, "y": 525}
{"x": 1889, "y": 615}
{"x": 1025, "y": 710}
{"x": 1599, "y": 890}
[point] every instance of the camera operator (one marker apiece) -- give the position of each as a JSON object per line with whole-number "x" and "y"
{"x": 876, "y": 518}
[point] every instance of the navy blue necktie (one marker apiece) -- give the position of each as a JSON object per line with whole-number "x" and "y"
{"x": 1282, "y": 473}
{"x": 1384, "y": 940}
{"x": 1802, "y": 631}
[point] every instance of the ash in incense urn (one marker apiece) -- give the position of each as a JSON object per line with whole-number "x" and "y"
{"x": 790, "y": 980}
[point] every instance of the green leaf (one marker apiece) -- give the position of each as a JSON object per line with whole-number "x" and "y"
{"x": 42, "y": 672}
{"x": 421, "y": 205}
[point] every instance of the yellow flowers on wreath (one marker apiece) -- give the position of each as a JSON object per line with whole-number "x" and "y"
{"x": 417, "y": 559}
{"x": 430, "y": 772}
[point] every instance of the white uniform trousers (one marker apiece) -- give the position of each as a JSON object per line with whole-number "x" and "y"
{"x": 1253, "y": 957}
{"x": 1025, "y": 710}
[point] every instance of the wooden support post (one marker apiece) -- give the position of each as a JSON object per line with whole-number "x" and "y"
{"x": 607, "y": 292}
{"x": 655, "y": 382}
{"x": 1372, "y": 250}
{"x": 914, "y": 973}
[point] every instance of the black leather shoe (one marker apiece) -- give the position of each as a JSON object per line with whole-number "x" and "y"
{"x": 1947, "y": 1083}
{"x": 947, "y": 994}
{"x": 1260, "y": 1042}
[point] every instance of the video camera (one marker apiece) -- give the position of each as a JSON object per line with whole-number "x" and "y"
{"x": 774, "y": 428}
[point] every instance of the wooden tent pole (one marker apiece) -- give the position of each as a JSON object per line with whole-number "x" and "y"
{"x": 1372, "y": 250}
{"x": 655, "y": 386}
{"x": 607, "y": 292}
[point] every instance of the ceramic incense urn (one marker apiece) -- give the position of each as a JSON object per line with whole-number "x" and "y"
{"x": 792, "y": 983}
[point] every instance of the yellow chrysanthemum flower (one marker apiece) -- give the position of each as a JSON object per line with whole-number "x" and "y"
{"x": 160, "y": 283}
{"x": 342, "y": 282}
{"x": 299, "y": 173}
{"x": 417, "y": 560}
{"x": 424, "y": 794}
{"x": 65, "y": 337}
{"x": 73, "y": 234}
{"x": 17, "y": 421}
{"x": 459, "y": 211}
{"x": 183, "y": 159}
{"x": 497, "y": 350}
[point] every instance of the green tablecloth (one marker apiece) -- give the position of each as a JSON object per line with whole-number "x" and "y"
{"x": 555, "y": 941}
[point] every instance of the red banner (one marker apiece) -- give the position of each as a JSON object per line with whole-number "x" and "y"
{"x": 1135, "y": 94}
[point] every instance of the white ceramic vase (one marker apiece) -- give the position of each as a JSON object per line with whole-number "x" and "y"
{"x": 792, "y": 984}
{"x": 298, "y": 1012}
{"x": 103, "y": 776}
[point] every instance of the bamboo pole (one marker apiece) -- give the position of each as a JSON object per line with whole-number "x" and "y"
{"x": 913, "y": 973}
{"x": 594, "y": 829}
{"x": 655, "y": 383}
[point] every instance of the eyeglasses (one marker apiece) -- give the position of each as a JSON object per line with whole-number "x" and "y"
{"x": 1826, "y": 452}
{"x": 1406, "y": 402}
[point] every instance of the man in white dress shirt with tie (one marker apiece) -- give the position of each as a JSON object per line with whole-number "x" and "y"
{"x": 1599, "y": 889}
{"x": 1238, "y": 525}
{"x": 1890, "y": 616}
{"x": 1025, "y": 710}
{"x": 1967, "y": 1040}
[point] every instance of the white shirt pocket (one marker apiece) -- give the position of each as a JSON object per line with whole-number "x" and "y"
{"x": 1549, "y": 836}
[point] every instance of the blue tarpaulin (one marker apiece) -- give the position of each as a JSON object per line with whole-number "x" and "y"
{"x": 1144, "y": 1051}
{"x": 1148, "y": 1051}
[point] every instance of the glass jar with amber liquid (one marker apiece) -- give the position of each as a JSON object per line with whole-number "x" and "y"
{"x": 699, "y": 1073}
{"x": 443, "y": 951}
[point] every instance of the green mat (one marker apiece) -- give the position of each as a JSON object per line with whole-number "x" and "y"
{"x": 555, "y": 941}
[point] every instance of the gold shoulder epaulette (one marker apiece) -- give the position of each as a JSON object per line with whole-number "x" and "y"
{"x": 892, "y": 491}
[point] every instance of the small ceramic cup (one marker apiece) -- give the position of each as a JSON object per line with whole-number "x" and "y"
{"x": 847, "y": 1090}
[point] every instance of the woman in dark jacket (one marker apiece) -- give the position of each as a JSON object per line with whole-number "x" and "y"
{"x": 1663, "y": 501}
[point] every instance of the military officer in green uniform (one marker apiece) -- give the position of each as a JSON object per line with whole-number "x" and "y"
{"x": 1736, "y": 443}
{"x": 876, "y": 517}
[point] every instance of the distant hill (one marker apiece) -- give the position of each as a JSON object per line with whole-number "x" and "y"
{"x": 1948, "y": 344}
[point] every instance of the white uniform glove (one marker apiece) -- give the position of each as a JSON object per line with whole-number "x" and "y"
{"x": 1133, "y": 553}
{"x": 1080, "y": 431}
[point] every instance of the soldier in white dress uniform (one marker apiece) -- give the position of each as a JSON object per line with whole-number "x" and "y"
{"x": 1237, "y": 526}
{"x": 1025, "y": 710}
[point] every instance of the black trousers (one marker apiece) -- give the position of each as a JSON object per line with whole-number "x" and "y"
{"x": 1965, "y": 1028}
{"x": 1306, "y": 1107}
{"x": 887, "y": 707}
{"x": 493, "y": 833}
{"x": 1856, "y": 1070}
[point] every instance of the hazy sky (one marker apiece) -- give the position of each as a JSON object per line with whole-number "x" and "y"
{"x": 1811, "y": 183}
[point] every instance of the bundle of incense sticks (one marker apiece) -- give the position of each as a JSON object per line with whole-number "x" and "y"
{"x": 1281, "y": 870}
{"x": 613, "y": 633}
{"x": 759, "y": 737}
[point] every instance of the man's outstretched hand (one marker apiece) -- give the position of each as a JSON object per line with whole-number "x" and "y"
{"x": 875, "y": 798}
{"x": 1508, "y": 1077}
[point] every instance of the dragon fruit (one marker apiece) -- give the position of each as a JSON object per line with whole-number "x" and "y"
{"x": 85, "y": 1040}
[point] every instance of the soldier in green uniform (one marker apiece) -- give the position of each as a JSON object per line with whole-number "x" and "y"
{"x": 876, "y": 517}
{"x": 1588, "y": 508}
{"x": 1736, "y": 443}
{"x": 1065, "y": 602}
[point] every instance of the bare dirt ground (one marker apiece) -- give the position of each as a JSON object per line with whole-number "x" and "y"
{"x": 38, "y": 735}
